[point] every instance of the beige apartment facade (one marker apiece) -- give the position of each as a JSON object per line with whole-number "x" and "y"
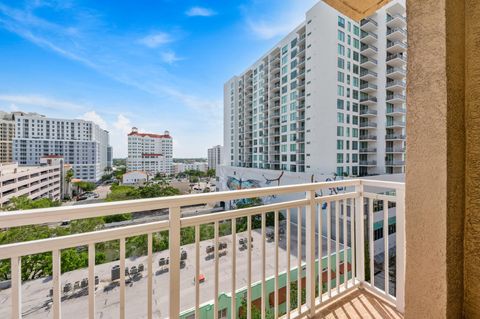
{"x": 7, "y": 132}
{"x": 44, "y": 181}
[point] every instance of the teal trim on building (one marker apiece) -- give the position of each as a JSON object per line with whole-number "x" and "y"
{"x": 224, "y": 299}
{"x": 379, "y": 224}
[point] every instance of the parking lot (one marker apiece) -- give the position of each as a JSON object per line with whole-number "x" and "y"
{"x": 37, "y": 303}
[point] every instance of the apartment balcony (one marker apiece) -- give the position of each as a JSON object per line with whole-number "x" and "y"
{"x": 368, "y": 50}
{"x": 396, "y": 73}
{"x": 396, "y": 34}
{"x": 368, "y": 112}
{"x": 395, "y": 98}
{"x": 368, "y": 150}
{"x": 301, "y": 62}
{"x": 395, "y": 124}
{"x": 368, "y": 87}
{"x": 396, "y": 111}
{"x": 368, "y": 100}
{"x": 397, "y": 59}
{"x": 396, "y": 21}
{"x": 368, "y": 25}
{"x": 396, "y": 47}
{"x": 396, "y": 85}
{"x": 367, "y": 75}
{"x": 368, "y": 37}
{"x": 368, "y": 125}
{"x": 368, "y": 137}
{"x": 367, "y": 163}
{"x": 366, "y": 62}
{"x": 394, "y": 163}
{"x": 274, "y": 124}
{"x": 275, "y": 97}
{"x": 301, "y": 73}
{"x": 301, "y": 96}
{"x": 395, "y": 150}
{"x": 395, "y": 137}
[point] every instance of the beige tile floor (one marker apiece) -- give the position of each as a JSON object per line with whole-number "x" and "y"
{"x": 359, "y": 304}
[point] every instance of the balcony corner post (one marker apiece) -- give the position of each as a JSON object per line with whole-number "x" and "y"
{"x": 174, "y": 250}
{"x": 310, "y": 211}
{"x": 400, "y": 249}
{"x": 359, "y": 234}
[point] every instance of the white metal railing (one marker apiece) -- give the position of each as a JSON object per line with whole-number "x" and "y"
{"x": 331, "y": 208}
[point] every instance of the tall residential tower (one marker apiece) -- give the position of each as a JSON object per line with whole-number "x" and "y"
{"x": 7, "y": 131}
{"x": 215, "y": 156}
{"x": 151, "y": 153}
{"x": 310, "y": 104}
{"x": 83, "y": 144}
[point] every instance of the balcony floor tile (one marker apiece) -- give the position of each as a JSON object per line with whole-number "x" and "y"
{"x": 359, "y": 304}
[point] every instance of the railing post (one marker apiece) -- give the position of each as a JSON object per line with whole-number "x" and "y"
{"x": 310, "y": 252}
{"x": 400, "y": 249}
{"x": 16, "y": 271}
{"x": 174, "y": 250}
{"x": 359, "y": 234}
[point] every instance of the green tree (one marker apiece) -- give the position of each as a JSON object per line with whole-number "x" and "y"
{"x": 69, "y": 175}
{"x": 86, "y": 186}
{"x": 211, "y": 173}
{"x": 23, "y": 202}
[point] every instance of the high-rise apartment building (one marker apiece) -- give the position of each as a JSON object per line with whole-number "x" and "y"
{"x": 382, "y": 85}
{"x": 110, "y": 157}
{"x": 215, "y": 156}
{"x": 83, "y": 144}
{"x": 151, "y": 153}
{"x": 7, "y": 131}
{"x": 309, "y": 104}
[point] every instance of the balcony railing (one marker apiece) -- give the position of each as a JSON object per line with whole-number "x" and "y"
{"x": 337, "y": 219}
{"x": 367, "y": 21}
{"x": 368, "y": 112}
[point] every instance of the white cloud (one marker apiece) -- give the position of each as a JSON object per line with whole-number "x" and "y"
{"x": 282, "y": 19}
{"x": 156, "y": 39}
{"x": 170, "y": 57}
{"x": 200, "y": 12}
{"x": 41, "y": 101}
{"x": 95, "y": 118}
{"x": 118, "y": 130}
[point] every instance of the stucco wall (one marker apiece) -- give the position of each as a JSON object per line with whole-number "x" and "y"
{"x": 435, "y": 170}
{"x": 472, "y": 162}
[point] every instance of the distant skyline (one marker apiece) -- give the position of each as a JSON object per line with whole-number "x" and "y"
{"x": 154, "y": 65}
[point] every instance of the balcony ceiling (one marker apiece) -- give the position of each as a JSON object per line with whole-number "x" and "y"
{"x": 357, "y": 9}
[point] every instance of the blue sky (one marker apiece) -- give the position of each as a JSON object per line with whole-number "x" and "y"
{"x": 158, "y": 65}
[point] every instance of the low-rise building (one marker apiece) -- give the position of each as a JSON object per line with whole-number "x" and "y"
{"x": 197, "y": 166}
{"x": 41, "y": 181}
{"x": 135, "y": 178}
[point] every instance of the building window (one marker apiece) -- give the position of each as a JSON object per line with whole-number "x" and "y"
{"x": 339, "y": 144}
{"x": 378, "y": 234}
{"x": 340, "y": 104}
{"x": 341, "y": 36}
{"x": 341, "y": 22}
{"x": 340, "y": 77}
{"x": 339, "y": 158}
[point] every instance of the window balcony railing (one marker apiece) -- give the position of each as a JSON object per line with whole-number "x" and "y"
{"x": 259, "y": 246}
{"x": 368, "y": 112}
